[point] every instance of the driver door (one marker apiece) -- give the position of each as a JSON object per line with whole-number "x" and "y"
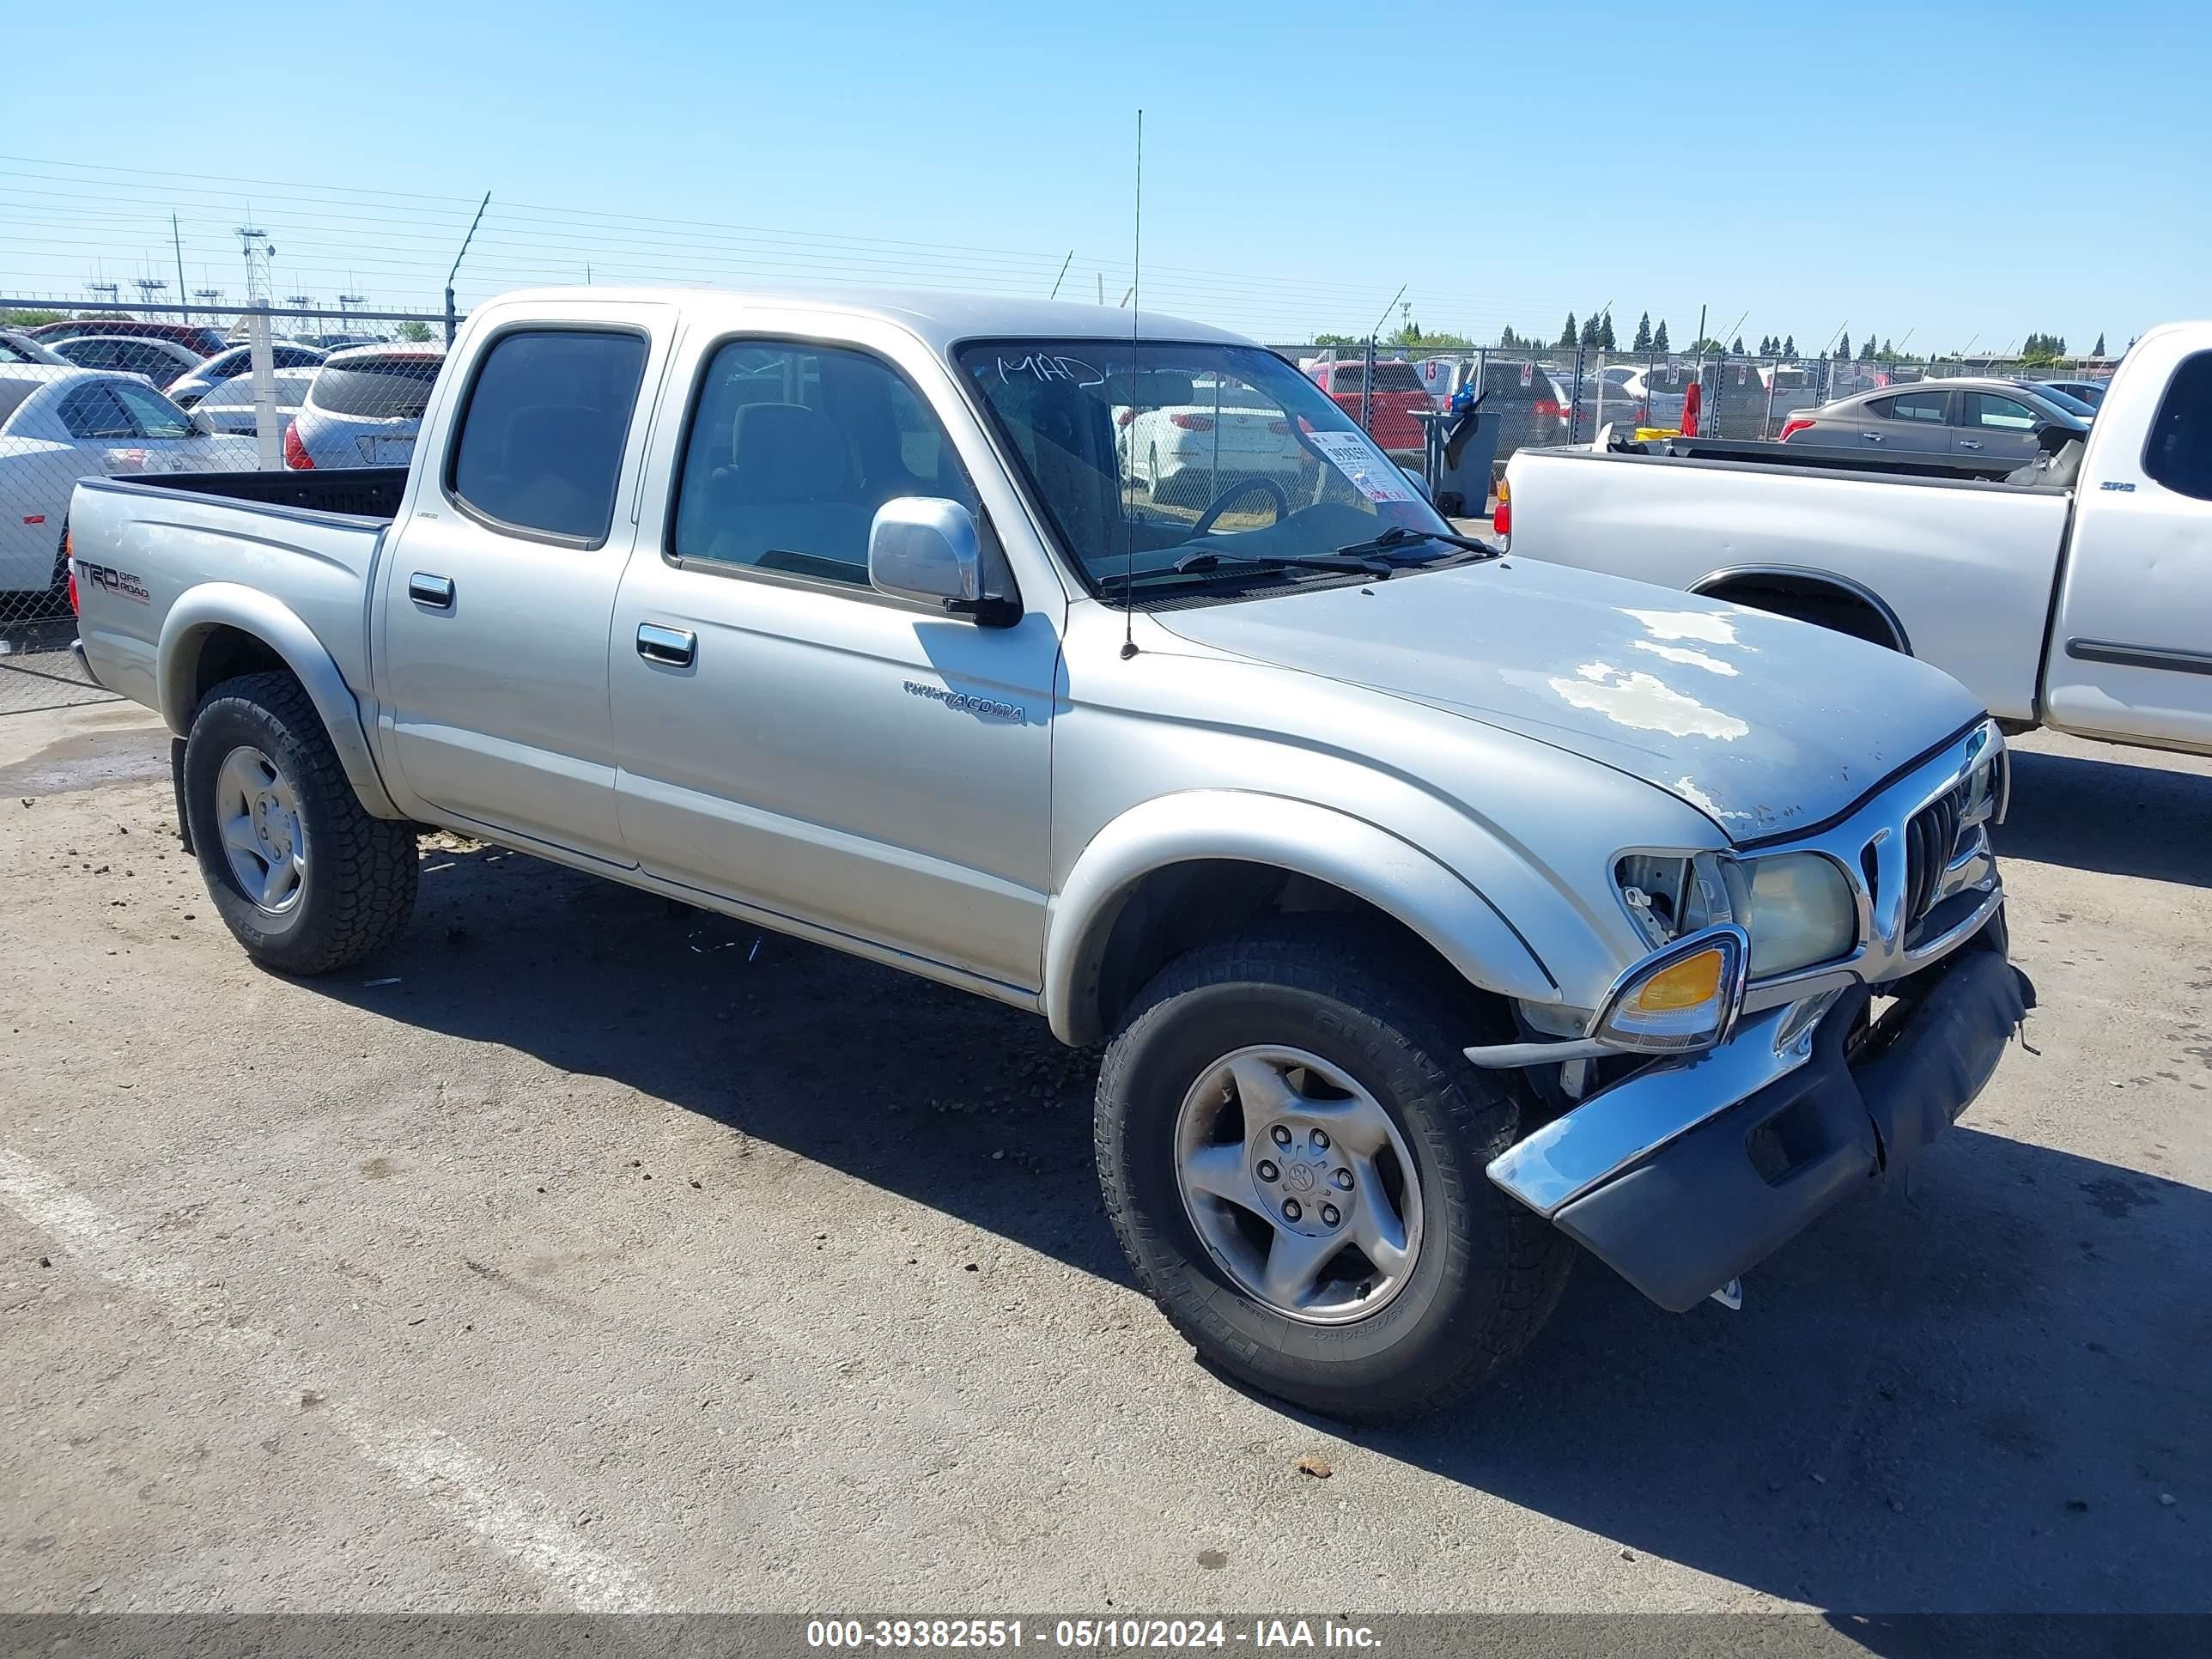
{"x": 786, "y": 737}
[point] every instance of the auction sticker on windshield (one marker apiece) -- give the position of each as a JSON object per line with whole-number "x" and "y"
{"x": 1357, "y": 458}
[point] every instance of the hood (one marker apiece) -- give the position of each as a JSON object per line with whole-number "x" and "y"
{"x": 1759, "y": 722}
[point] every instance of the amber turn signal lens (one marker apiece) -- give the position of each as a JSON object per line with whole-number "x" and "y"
{"x": 1690, "y": 983}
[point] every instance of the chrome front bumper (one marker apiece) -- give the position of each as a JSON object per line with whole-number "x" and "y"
{"x": 1689, "y": 1172}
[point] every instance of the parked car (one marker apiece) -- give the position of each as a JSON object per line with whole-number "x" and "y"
{"x": 1188, "y": 453}
{"x": 1398, "y": 395}
{"x": 228, "y": 405}
{"x": 332, "y": 342}
{"x": 17, "y": 348}
{"x": 2000, "y": 419}
{"x": 2090, "y": 392}
{"x": 1436, "y": 910}
{"x": 159, "y": 361}
{"x": 196, "y": 337}
{"x": 2076, "y": 598}
{"x": 1789, "y": 388}
{"x": 57, "y": 424}
{"x": 364, "y": 407}
{"x": 190, "y": 388}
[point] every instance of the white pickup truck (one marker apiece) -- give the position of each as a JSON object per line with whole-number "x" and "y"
{"x": 2079, "y": 598}
{"x": 1382, "y": 864}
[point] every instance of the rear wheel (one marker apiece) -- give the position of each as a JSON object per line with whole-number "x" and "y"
{"x": 1292, "y": 1151}
{"x": 301, "y": 873}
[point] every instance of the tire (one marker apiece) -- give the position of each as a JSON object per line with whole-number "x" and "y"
{"x": 1486, "y": 1272}
{"x": 352, "y": 886}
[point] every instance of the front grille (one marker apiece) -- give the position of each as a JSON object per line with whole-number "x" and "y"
{"x": 1930, "y": 841}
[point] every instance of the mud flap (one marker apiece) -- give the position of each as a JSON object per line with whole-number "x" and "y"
{"x": 177, "y": 787}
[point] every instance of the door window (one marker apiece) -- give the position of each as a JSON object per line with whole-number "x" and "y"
{"x": 1986, "y": 409}
{"x": 792, "y": 450}
{"x": 93, "y": 411}
{"x": 152, "y": 415}
{"x": 2180, "y": 452}
{"x": 1914, "y": 406}
{"x": 541, "y": 434}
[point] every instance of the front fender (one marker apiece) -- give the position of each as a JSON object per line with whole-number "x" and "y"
{"x": 1363, "y": 858}
{"x": 200, "y": 610}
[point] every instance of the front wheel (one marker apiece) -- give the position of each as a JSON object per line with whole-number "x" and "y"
{"x": 301, "y": 873}
{"x": 1291, "y": 1152}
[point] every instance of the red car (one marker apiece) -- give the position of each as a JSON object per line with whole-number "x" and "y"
{"x": 1398, "y": 394}
{"x": 193, "y": 336}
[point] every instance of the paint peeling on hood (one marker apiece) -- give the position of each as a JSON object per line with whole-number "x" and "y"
{"x": 1755, "y": 721}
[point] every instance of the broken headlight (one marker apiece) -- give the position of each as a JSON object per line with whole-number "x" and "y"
{"x": 1797, "y": 908}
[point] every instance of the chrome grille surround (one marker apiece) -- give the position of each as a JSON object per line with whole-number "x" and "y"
{"x": 1914, "y": 844}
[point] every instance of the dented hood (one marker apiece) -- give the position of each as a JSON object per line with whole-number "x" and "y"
{"x": 1759, "y": 722}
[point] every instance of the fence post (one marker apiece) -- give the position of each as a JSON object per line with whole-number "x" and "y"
{"x": 1367, "y": 391}
{"x": 1773, "y": 376}
{"x": 449, "y": 319}
{"x": 1575, "y": 400}
{"x": 267, "y": 421}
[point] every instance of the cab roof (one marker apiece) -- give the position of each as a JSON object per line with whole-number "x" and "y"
{"x": 939, "y": 318}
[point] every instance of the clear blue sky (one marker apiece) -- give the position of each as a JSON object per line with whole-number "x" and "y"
{"x": 1959, "y": 170}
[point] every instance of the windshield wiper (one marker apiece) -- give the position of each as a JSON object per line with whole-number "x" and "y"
{"x": 1343, "y": 559}
{"x": 1399, "y": 536}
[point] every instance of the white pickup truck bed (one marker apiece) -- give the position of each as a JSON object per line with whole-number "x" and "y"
{"x": 2084, "y": 603}
{"x": 1965, "y": 566}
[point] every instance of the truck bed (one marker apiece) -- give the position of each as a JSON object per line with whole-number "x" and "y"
{"x": 368, "y": 492}
{"x": 301, "y": 542}
{"x": 1966, "y": 566}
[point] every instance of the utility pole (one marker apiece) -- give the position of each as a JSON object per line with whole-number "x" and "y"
{"x": 457, "y": 258}
{"x": 177, "y": 242}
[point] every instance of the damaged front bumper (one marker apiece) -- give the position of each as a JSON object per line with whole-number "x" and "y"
{"x": 1690, "y": 1171}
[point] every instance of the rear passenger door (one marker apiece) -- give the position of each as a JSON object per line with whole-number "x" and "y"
{"x": 491, "y": 661}
{"x": 1996, "y": 427}
{"x": 789, "y": 738}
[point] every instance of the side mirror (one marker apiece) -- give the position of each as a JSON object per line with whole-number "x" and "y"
{"x": 925, "y": 548}
{"x": 203, "y": 423}
{"x": 1419, "y": 484}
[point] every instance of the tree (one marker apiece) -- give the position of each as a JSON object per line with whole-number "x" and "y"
{"x": 413, "y": 332}
{"x": 28, "y": 319}
{"x": 1642, "y": 341}
{"x": 2098, "y": 349}
{"x": 1413, "y": 335}
{"x": 1506, "y": 337}
{"x": 1605, "y": 340}
{"x": 1334, "y": 340}
{"x": 1589, "y": 336}
{"x": 1659, "y": 335}
{"x": 1842, "y": 347}
{"x": 1789, "y": 345}
{"x": 1738, "y": 347}
{"x": 1567, "y": 336}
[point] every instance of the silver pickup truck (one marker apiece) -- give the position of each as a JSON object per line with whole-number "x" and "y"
{"x": 1437, "y": 910}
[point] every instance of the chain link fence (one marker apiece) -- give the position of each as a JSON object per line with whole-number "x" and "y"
{"x": 120, "y": 390}
{"x": 1545, "y": 396}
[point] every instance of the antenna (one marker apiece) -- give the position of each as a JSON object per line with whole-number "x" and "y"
{"x": 1129, "y": 477}
{"x": 1062, "y": 278}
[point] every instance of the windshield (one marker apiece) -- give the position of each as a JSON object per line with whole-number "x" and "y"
{"x": 1205, "y": 450}
{"x": 2066, "y": 401}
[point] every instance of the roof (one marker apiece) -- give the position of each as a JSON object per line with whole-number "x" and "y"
{"x": 941, "y": 319}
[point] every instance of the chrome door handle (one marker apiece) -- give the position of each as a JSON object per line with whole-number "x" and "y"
{"x": 1871, "y": 437}
{"x": 676, "y": 647}
{"x": 436, "y": 592}
{"x": 1970, "y": 443}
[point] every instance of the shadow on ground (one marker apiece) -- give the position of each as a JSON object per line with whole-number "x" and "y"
{"x": 1969, "y": 1397}
{"x": 2115, "y": 816}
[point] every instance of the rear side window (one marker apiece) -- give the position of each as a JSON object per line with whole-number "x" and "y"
{"x": 542, "y": 435}
{"x": 152, "y": 415}
{"x": 1913, "y": 406}
{"x": 2180, "y": 452}
{"x": 376, "y": 388}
